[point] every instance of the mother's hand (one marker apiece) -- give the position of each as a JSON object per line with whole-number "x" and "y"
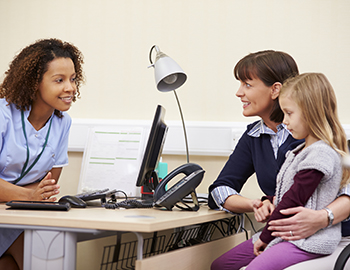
{"x": 302, "y": 224}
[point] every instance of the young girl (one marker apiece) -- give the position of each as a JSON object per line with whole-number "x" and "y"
{"x": 310, "y": 176}
{"x": 40, "y": 85}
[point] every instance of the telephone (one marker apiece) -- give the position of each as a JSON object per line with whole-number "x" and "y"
{"x": 168, "y": 198}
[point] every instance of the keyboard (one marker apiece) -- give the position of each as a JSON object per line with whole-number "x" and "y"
{"x": 95, "y": 194}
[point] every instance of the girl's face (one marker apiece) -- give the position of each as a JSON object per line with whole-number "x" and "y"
{"x": 258, "y": 99}
{"x": 58, "y": 87}
{"x": 293, "y": 118}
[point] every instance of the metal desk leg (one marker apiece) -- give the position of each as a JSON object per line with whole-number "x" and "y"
{"x": 52, "y": 250}
{"x": 139, "y": 246}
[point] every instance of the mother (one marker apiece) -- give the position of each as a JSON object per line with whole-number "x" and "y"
{"x": 261, "y": 150}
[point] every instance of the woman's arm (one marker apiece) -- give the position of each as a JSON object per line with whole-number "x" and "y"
{"x": 240, "y": 204}
{"x": 306, "y": 222}
{"x": 9, "y": 192}
{"x": 238, "y": 168}
{"x": 42, "y": 190}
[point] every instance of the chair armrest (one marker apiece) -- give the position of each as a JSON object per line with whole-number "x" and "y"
{"x": 342, "y": 258}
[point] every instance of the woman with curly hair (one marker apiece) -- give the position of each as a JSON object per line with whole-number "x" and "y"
{"x": 39, "y": 87}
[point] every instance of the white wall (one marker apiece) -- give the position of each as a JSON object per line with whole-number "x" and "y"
{"x": 206, "y": 37}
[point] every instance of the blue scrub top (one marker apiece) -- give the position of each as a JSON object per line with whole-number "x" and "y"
{"x": 13, "y": 146}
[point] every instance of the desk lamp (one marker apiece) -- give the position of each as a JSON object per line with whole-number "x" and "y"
{"x": 169, "y": 76}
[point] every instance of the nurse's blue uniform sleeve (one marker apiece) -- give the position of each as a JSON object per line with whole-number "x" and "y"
{"x": 62, "y": 149}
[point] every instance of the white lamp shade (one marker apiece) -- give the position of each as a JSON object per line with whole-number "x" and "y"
{"x": 168, "y": 74}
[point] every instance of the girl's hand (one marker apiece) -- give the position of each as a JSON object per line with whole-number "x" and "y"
{"x": 263, "y": 213}
{"x": 45, "y": 189}
{"x": 259, "y": 247}
{"x": 255, "y": 204}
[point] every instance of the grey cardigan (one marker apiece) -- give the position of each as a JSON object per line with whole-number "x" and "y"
{"x": 322, "y": 157}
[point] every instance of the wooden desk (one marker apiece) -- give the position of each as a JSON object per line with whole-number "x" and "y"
{"x": 51, "y": 236}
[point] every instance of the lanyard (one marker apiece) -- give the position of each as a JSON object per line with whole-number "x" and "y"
{"x": 25, "y": 170}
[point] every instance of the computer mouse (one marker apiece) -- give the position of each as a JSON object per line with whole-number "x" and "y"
{"x": 74, "y": 202}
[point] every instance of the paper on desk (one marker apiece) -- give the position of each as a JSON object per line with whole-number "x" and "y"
{"x": 112, "y": 159}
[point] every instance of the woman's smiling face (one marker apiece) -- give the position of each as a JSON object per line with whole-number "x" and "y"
{"x": 58, "y": 86}
{"x": 257, "y": 98}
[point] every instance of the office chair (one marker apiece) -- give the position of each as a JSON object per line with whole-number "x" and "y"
{"x": 345, "y": 254}
{"x": 342, "y": 258}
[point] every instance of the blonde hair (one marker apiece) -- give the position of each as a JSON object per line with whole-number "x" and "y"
{"x": 316, "y": 98}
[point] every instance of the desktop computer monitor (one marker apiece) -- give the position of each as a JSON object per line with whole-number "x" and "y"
{"x": 148, "y": 178}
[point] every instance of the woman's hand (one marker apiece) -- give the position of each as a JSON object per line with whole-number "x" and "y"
{"x": 45, "y": 189}
{"x": 263, "y": 213}
{"x": 302, "y": 224}
{"x": 259, "y": 247}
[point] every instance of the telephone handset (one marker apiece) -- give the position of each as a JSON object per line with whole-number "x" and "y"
{"x": 168, "y": 198}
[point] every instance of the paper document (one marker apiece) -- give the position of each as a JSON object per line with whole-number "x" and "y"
{"x": 112, "y": 159}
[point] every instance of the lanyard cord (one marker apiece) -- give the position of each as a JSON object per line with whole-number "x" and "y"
{"x": 24, "y": 171}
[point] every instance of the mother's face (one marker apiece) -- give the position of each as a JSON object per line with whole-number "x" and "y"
{"x": 257, "y": 98}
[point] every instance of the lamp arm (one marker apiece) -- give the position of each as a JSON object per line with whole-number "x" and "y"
{"x": 183, "y": 125}
{"x": 150, "y": 54}
{"x": 155, "y": 47}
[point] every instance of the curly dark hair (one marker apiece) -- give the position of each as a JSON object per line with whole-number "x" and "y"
{"x": 26, "y": 71}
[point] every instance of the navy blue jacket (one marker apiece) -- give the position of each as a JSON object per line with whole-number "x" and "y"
{"x": 253, "y": 155}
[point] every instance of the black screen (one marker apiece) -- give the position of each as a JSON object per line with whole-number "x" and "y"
{"x": 147, "y": 175}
